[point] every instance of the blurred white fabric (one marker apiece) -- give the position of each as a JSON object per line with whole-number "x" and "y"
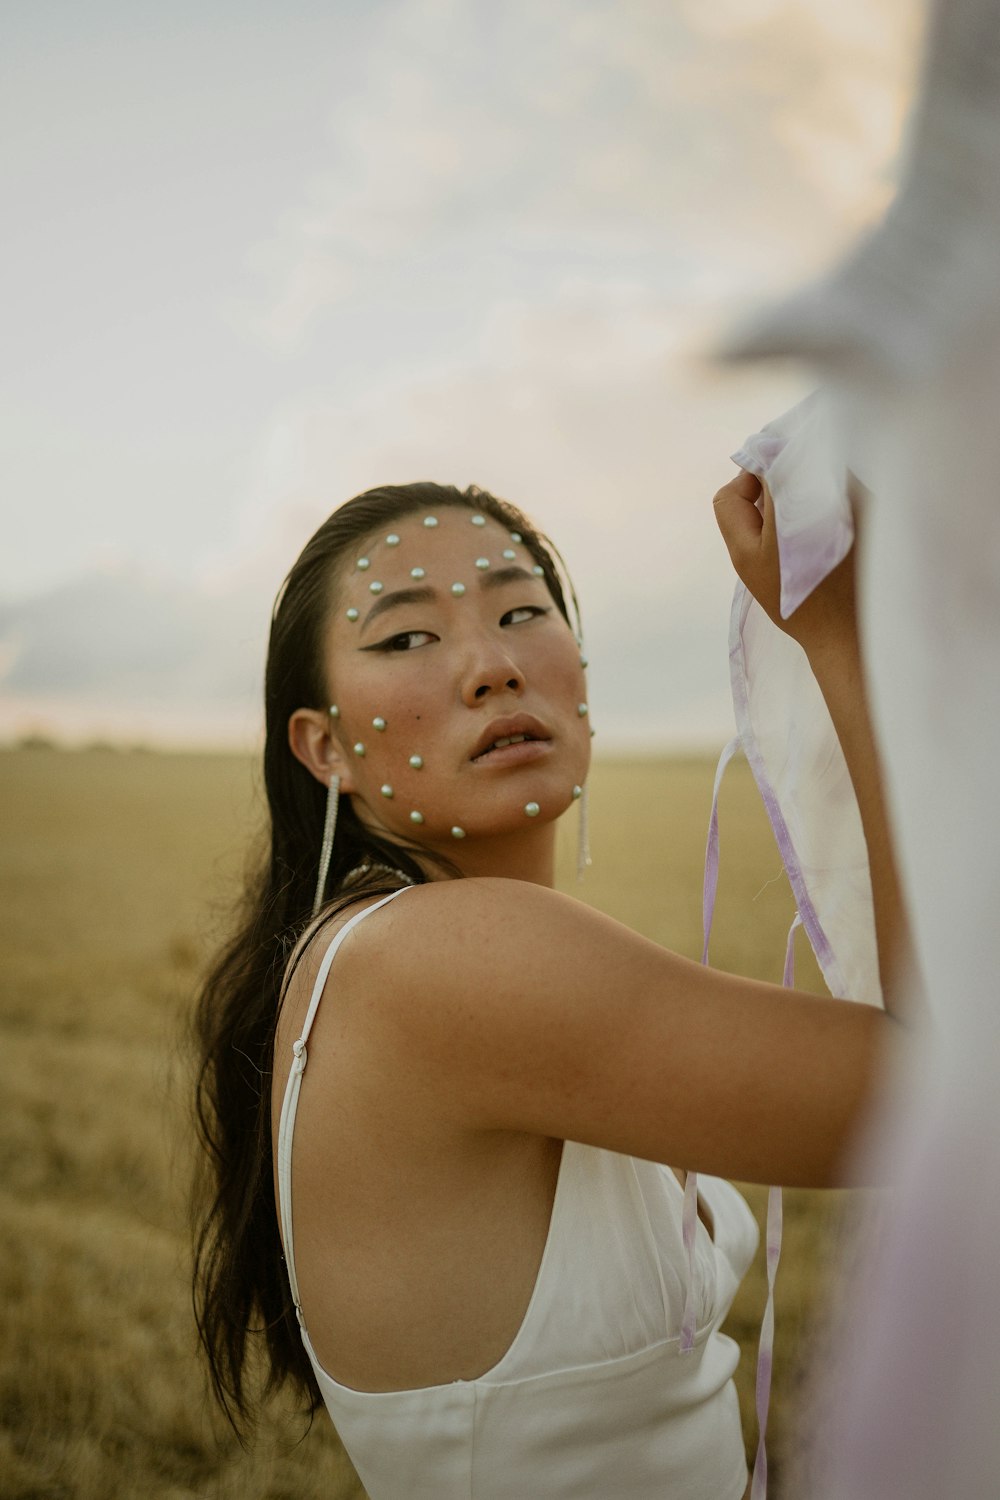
{"x": 906, "y": 336}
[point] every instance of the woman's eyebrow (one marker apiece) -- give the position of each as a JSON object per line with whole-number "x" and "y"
{"x": 424, "y": 595}
{"x": 498, "y": 576}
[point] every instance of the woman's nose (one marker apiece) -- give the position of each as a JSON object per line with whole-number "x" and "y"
{"x": 492, "y": 672}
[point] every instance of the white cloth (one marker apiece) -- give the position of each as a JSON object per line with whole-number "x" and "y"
{"x": 784, "y": 727}
{"x": 593, "y": 1398}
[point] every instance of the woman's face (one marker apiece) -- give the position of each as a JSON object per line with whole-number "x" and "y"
{"x": 458, "y": 685}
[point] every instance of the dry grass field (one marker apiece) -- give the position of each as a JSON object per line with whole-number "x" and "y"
{"x": 116, "y": 874}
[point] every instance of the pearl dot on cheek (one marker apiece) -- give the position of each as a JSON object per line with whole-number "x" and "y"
{"x": 532, "y": 809}
{"x": 458, "y": 833}
{"x": 417, "y": 573}
{"x": 386, "y": 790}
{"x": 375, "y": 587}
{"x": 577, "y": 792}
{"x": 378, "y": 722}
{"x": 359, "y": 748}
{"x": 363, "y": 563}
{"x": 430, "y": 521}
{"x": 352, "y": 613}
{"x": 515, "y": 536}
{"x": 416, "y": 817}
{"x": 582, "y": 710}
{"x": 416, "y": 761}
{"x": 392, "y": 540}
{"x": 538, "y": 570}
{"x": 482, "y": 563}
{"x": 458, "y": 589}
{"x": 334, "y": 711}
{"x": 509, "y": 554}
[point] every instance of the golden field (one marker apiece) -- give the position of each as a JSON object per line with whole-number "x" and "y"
{"x": 117, "y": 874}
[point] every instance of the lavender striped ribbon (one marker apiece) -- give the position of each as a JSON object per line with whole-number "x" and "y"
{"x": 765, "y": 1348}
{"x": 689, "y": 1221}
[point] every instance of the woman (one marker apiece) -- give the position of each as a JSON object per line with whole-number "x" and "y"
{"x": 487, "y": 1279}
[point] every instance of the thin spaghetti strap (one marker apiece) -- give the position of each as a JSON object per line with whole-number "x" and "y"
{"x": 289, "y": 1104}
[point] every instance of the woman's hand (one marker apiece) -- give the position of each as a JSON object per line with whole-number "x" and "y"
{"x": 824, "y": 622}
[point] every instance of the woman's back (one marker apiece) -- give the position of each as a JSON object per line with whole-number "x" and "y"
{"x": 502, "y": 1311}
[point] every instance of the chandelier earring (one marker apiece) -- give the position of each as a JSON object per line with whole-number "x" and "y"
{"x": 329, "y": 832}
{"x": 583, "y": 859}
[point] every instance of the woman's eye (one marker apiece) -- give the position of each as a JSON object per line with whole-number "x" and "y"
{"x": 524, "y": 612}
{"x": 406, "y": 640}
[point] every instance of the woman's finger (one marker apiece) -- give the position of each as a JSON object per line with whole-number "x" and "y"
{"x": 737, "y": 515}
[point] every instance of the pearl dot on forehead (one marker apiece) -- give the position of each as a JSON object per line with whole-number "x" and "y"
{"x": 509, "y": 554}
{"x": 417, "y": 573}
{"x": 538, "y": 570}
{"x": 478, "y": 520}
{"x": 392, "y": 540}
{"x": 352, "y": 613}
{"x": 416, "y": 761}
{"x": 334, "y": 711}
{"x": 515, "y": 536}
{"x": 532, "y": 809}
{"x": 430, "y": 521}
{"x": 458, "y": 589}
{"x": 359, "y": 748}
{"x": 482, "y": 563}
{"x": 416, "y": 817}
{"x": 378, "y": 722}
{"x": 363, "y": 563}
{"x": 375, "y": 587}
{"x": 386, "y": 790}
{"x": 458, "y": 833}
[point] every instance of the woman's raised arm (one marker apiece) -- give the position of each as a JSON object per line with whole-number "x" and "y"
{"x": 501, "y": 1005}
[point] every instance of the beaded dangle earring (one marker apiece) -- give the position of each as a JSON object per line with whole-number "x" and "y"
{"x": 329, "y": 831}
{"x": 583, "y": 859}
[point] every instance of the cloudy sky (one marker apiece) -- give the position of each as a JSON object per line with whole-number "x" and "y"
{"x": 259, "y": 256}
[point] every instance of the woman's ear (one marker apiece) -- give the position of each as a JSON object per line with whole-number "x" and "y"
{"x": 311, "y": 740}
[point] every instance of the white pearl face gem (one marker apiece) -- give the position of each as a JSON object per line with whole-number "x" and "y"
{"x": 479, "y": 520}
{"x": 416, "y": 817}
{"x": 375, "y": 587}
{"x": 458, "y": 833}
{"x": 359, "y": 748}
{"x": 417, "y": 573}
{"x": 515, "y": 536}
{"x": 482, "y": 563}
{"x": 386, "y": 790}
{"x": 378, "y": 722}
{"x": 392, "y": 540}
{"x": 430, "y": 521}
{"x": 334, "y": 711}
{"x": 458, "y": 589}
{"x": 352, "y": 613}
{"x": 538, "y": 570}
{"x": 532, "y": 809}
{"x": 509, "y": 554}
{"x": 416, "y": 761}
{"x": 584, "y": 662}
{"x": 363, "y": 563}
{"x": 577, "y": 792}
{"x": 582, "y": 710}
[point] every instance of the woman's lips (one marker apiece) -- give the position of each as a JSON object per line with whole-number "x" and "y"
{"x": 521, "y": 752}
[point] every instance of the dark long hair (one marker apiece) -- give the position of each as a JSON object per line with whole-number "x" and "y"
{"x": 243, "y": 1308}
